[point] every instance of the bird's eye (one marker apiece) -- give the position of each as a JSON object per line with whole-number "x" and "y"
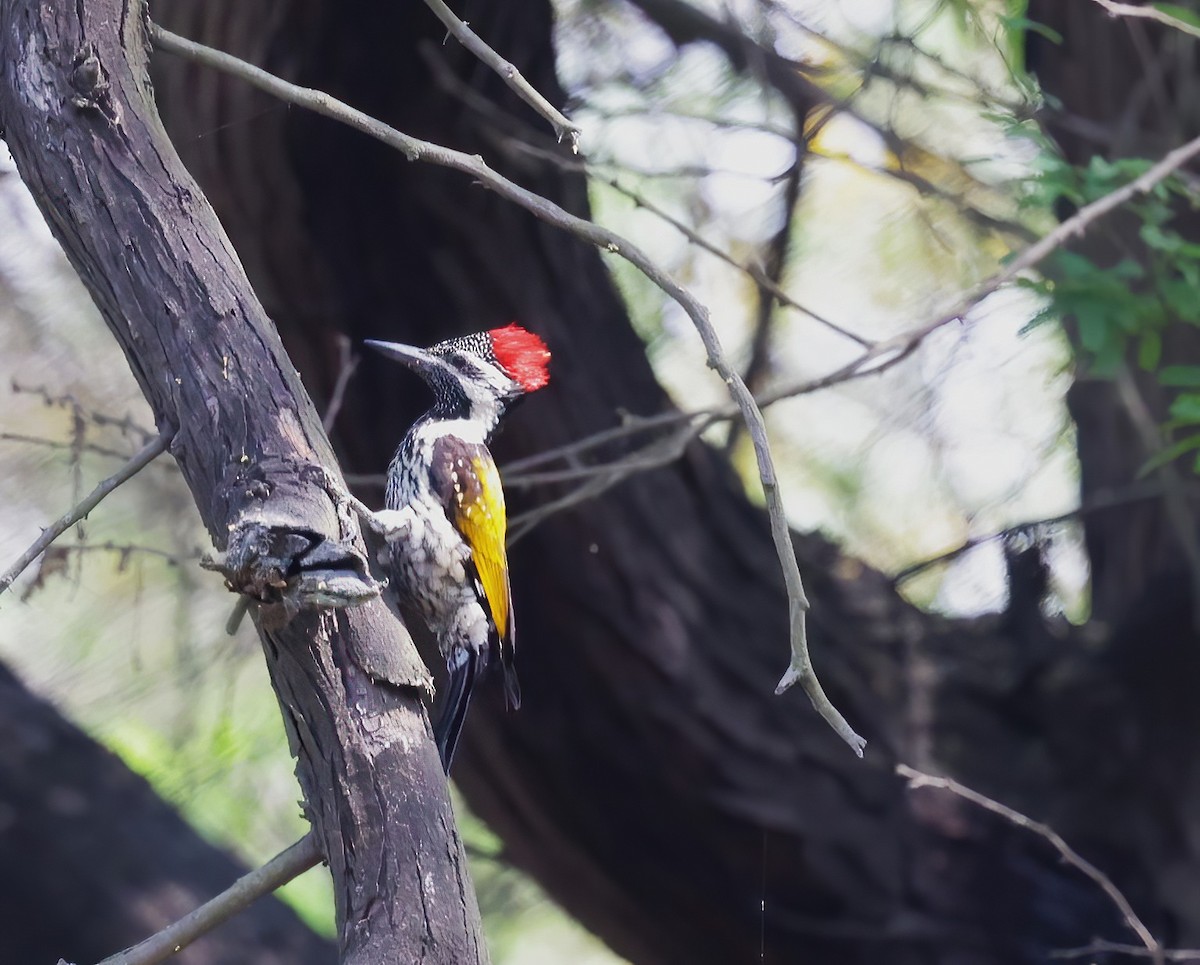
{"x": 459, "y": 362}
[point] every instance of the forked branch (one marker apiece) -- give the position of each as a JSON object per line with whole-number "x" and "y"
{"x": 563, "y": 125}
{"x": 918, "y": 779}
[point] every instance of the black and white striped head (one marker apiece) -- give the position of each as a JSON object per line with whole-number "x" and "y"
{"x": 477, "y": 376}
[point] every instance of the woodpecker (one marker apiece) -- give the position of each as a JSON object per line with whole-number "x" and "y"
{"x": 444, "y": 518}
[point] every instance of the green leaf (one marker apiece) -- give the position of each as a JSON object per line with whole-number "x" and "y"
{"x": 1024, "y": 23}
{"x": 1186, "y": 408}
{"x": 1095, "y": 330}
{"x": 1169, "y": 454}
{"x": 1074, "y": 265}
{"x": 1181, "y": 376}
{"x": 1149, "y": 351}
{"x": 1108, "y": 359}
{"x": 1155, "y": 237}
{"x": 1183, "y": 299}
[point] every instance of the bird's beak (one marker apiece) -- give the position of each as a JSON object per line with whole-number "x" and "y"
{"x": 416, "y": 359}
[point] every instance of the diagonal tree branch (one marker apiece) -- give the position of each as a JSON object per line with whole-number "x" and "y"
{"x": 288, "y": 864}
{"x": 918, "y": 779}
{"x": 563, "y": 125}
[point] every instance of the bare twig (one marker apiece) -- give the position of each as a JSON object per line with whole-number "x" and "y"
{"x": 53, "y": 561}
{"x": 281, "y": 869}
{"x": 768, "y": 280}
{"x": 599, "y": 479}
{"x": 125, "y": 424}
{"x": 563, "y": 125}
{"x": 918, "y": 779}
{"x": 1148, "y": 12}
{"x": 923, "y": 186}
{"x": 763, "y": 280}
{"x": 630, "y": 425}
{"x": 1101, "y": 947}
{"x": 346, "y": 367}
{"x": 800, "y": 670}
{"x": 772, "y": 275}
{"x": 144, "y": 457}
{"x": 59, "y": 444}
{"x": 1100, "y": 501}
{"x": 127, "y": 550}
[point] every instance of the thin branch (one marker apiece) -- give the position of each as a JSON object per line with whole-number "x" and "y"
{"x": 1148, "y": 12}
{"x": 126, "y": 550}
{"x": 923, "y": 186}
{"x": 771, "y": 277}
{"x": 125, "y": 423}
{"x": 886, "y": 353}
{"x": 1102, "y": 947}
{"x": 763, "y": 280}
{"x": 918, "y": 779}
{"x": 144, "y": 457}
{"x": 346, "y": 367}
{"x": 281, "y": 869}
{"x": 800, "y": 670}
{"x": 356, "y": 479}
{"x": 1099, "y": 502}
{"x": 563, "y": 125}
{"x": 599, "y": 479}
{"x": 630, "y": 425}
{"x": 58, "y": 444}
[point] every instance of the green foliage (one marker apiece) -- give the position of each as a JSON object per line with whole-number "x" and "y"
{"x": 1121, "y": 311}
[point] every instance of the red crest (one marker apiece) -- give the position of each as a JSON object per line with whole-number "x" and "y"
{"x": 522, "y": 355}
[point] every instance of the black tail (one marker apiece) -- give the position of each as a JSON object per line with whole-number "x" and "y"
{"x": 453, "y": 714}
{"x": 512, "y": 686}
{"x": 508, "y": 664}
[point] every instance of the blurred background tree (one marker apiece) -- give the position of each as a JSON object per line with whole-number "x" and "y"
{"x": 870, "y": 161}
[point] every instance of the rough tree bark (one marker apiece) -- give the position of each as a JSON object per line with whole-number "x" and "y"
{"x": 78, "y": 116}
{"x": 651, "y": 781}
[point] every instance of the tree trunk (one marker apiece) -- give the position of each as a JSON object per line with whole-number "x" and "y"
{"x": 78, "y": 115}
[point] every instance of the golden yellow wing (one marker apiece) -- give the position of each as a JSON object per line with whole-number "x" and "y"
{"x": 480, "y": 518}
{"x": 465, "y": 476}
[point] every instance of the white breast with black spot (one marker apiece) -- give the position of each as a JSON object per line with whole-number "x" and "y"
{"x": 430, "y": 562}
